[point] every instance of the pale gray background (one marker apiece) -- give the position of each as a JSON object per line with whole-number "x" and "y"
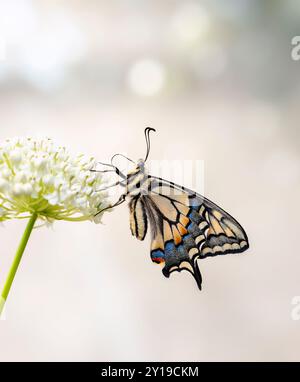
{"x": 223, "y": 89}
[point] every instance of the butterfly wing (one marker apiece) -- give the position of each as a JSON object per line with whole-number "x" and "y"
{"x": 185, "y": 226}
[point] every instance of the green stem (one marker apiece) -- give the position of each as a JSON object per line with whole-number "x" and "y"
{"x": 16, "y": 261}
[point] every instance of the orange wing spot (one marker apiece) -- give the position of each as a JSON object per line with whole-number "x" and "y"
{"x": 176, "y": 235}
{"x": 182, "y": 230}
{"x": 184, "y": 220}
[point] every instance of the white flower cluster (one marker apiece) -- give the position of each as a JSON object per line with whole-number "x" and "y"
{"x": 38, "y": 177}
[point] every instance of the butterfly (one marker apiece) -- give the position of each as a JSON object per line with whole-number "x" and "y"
{"x": 184, "y": 225}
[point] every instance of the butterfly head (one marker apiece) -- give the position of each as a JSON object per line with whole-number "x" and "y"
{"x": 140, "y": 165}
{"x": 138, "y": 171}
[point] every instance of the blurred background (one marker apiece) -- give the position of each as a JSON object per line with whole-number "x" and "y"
{"x": 217, "y": 81}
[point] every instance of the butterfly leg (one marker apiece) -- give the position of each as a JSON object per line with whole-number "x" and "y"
{"x": 118, "y": 183}
{"x": 92, "y": 170}
{"x": 113, "y": 169}
{"x": 119, "y": 201}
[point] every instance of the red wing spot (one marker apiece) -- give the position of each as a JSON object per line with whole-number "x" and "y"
{"x": 157, "y": 260}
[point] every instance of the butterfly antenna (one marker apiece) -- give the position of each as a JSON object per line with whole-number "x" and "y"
{"x": 147, "y": 133}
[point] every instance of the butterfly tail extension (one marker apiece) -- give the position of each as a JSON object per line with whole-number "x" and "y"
{"x": 177, "y": 259}
{"x": 197, "y": 274}
{"x": 192, "y": 268}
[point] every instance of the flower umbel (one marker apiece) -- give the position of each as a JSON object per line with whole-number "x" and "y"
{"x": 38, "y": 177}
{"x": 41, "y": 181}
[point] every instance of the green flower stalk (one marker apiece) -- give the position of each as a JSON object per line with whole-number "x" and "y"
{"x": 40, "y": 181}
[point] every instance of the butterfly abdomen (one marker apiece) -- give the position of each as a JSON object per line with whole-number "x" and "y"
{"x": 138, "y": 218}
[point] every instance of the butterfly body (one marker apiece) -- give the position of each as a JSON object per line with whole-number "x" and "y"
{"x": 184, "y": 225}
{"x": 137, "y": 181}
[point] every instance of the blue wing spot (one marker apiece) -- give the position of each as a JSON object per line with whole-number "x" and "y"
{"x": 182, "y": 252}
{"x": 194, "y": 216}
{"x": 158, "y": 256}
{"x": 190, "y": 226}
{"x": 169, "y": 247}
{"x": 194, "y": 203}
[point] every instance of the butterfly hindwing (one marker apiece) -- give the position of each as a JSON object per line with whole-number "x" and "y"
{"x": 176, "y": 254}
{"x": 173, "y": 242}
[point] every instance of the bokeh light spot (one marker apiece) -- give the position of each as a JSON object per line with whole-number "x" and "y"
{"x": 147, "y": 77}
{"x": 190, "y": 24}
